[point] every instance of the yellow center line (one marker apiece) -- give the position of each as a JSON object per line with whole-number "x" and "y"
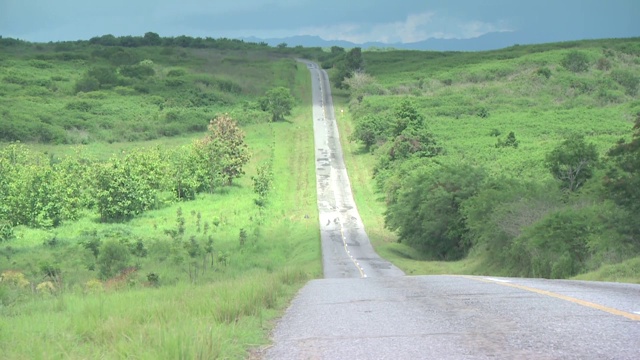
{"x": 588, "y": 304}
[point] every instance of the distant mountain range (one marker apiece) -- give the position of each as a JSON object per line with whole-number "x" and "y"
{"x": 490, "y": 41}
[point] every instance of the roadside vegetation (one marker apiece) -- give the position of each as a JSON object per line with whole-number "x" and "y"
{"x": 121, "y": 240}
{"x": 515, "y": 162}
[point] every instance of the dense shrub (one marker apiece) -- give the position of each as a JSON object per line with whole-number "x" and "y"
{"x": 557, "y": 245}
{"x": 137, "y": 71}
{"x": 628, "y": 79}
{"x": 113, "y": 257}
{"x": 86, "y": 84}
{"x": 576, "y": 61}
{"x": 427, "y": 213}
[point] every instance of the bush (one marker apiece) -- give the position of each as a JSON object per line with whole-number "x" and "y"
{"x": 499, "y": 213}
{"x": 106, "y": 76}
{"x": 603, "y": 64}
{"x": 576, "y": 61}
{"x": 86, "y": 84}
{"x": 544, "y": 71}
{"x": 176, "y": 73}
{"x": 113, "y": 258}
{"x": 628, "y": 79}
{"x": 510, "y": 141}
{"x": 557, "y": 245}
{"x": 137, "y": 71}
{"x": 427, "y": 213}
{"x": 6, "y": 231}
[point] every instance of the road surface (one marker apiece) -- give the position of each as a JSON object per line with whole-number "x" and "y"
{"x": 366, "y": 309}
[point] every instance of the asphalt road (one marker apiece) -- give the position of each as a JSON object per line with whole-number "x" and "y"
{"x": 366, "y": 309}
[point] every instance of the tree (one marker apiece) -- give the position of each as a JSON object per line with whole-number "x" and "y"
{"x": 153, "y": 39}
{"x": 279, "y": 102}
{"x": 369, "y": 130}
{"x": 572, "y": 162}
{"x": 350, "y": 63}
{"x": 407, "y": 117}
{"x": 623, "y": 179}
{"x": 225, "y": 148}
{"x": 354, "y": 61}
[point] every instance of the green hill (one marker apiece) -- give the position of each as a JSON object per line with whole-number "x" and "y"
{"x": 472, "y": 176}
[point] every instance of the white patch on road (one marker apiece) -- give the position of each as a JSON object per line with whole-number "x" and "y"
{"x": 498, "y": 280}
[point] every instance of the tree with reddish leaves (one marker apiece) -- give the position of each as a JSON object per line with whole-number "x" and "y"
{"x": 225, "y": 148}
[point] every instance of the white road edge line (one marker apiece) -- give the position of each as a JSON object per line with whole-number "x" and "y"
{"x": 497, "y": 280}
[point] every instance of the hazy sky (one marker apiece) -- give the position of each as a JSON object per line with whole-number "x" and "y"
{"x": 353, "y": 20}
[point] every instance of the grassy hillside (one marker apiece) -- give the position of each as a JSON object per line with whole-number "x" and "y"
{"x": 199, "y": 278}
{"x": 82, "y": 93}
{"x": 470, "y": 103}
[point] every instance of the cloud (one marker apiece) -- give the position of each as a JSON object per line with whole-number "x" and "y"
{"x": 416, "y": 27}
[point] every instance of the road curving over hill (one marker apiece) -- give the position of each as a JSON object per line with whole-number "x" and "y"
{"x": 366, "y": 309}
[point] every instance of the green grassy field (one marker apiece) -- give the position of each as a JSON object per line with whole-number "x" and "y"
{"x": 220, "y": 310}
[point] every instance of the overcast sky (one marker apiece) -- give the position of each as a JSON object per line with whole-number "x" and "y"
{"x": 357, "y": 21}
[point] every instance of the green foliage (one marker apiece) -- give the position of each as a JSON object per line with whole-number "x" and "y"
{"x": 137, "y": 71}
{"x": 576, "y": 61}
{"x": 279, "y": 102}
{"x": 127, "y": 187}
{"x": 263, "y": 182}
{"x": 629, "y": 80}
{"x": 483, "y": 112}
{"x": 500, "y": 212}
{"x": 225, "y": 149}
{"x": 556, "y": 246}
{"x": 427, "y": 213}
{"x": 349, "y": 63}
{"x": 371, "y": 129}
{"x": 622, "y": 182}
{"x": 509, "y": 141}
{"x": 544, "y": 71}
{"x": 87, "y": 84}
{"x": 191, "y": 171}
{"x": 407, "y": 117}
{"x": 603, "y": 64}
{"x": 113, "y": 258}
{"x": 34, "y": 192}
{"x": 6, "y": 231}
{"x": 413, "y": 143}
{"x": 106, "y": 76}
{"x": 572, "y": 162}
